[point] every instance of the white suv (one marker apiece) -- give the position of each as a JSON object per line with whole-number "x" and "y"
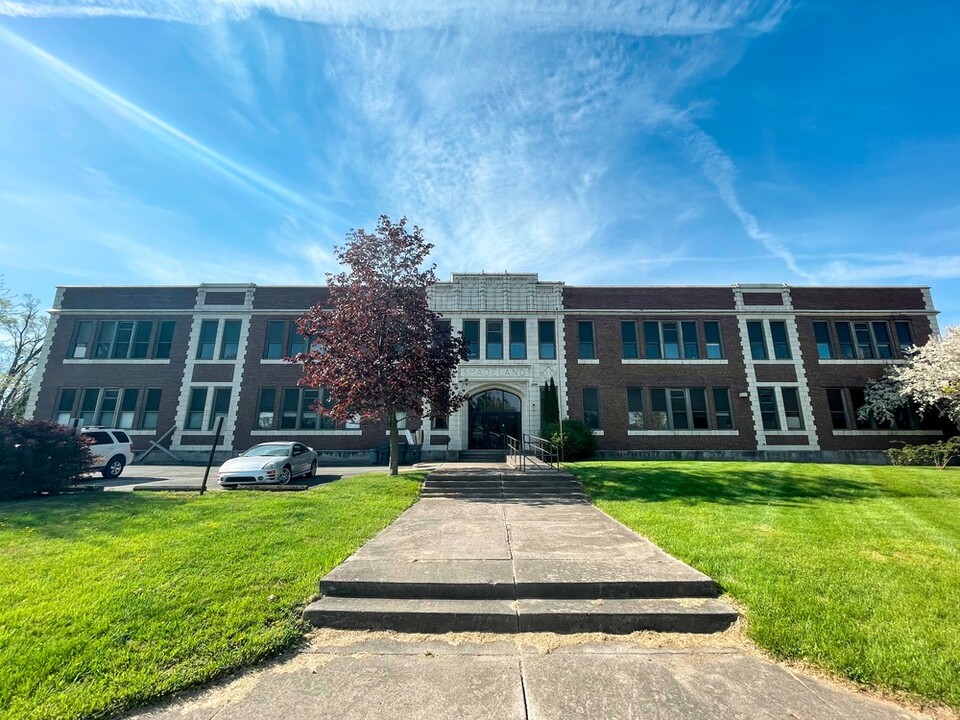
{"x": 111, "y": 448}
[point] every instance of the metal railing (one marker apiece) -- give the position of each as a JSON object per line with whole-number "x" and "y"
{"x": 545, "y": 452}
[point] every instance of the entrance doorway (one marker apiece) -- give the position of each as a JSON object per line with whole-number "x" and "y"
{"x": 493, "y": 415}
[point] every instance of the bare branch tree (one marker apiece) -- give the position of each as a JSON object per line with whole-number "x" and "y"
{"x": 22, "y": 329}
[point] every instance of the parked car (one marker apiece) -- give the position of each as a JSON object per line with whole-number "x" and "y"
{"x": 272, "y": 462}
{"x": 111, "y": 448}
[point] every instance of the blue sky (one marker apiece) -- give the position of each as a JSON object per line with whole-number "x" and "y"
{"x": 648, "y": 142}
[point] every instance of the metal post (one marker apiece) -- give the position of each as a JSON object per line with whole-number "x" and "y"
{"x": 560, "y": 393}
{"x": 213, "y": 449}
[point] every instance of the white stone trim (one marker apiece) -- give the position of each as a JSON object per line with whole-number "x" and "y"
{"x": 44, "y": 358}
{"x": 910, "y": 433}
{"x": 932, "y": 312}
{"x": 588, "y": 361}
{"x": 117, "y": 361}
{"x": 684, "y": 433}
{"x": 287, "y": 433}
{"x": 752, "y": 309}
{"x": 654, "y": 361}
{"x": 598, "y": 433}
{"x": 852, "y": 361}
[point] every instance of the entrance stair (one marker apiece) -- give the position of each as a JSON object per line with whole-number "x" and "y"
{"x": 495, "y": 550}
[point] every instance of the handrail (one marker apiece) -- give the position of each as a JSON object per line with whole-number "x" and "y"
{"x": 545, "y": 451}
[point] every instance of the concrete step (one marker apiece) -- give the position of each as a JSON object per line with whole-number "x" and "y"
{"x": 511, "y": 579}
{"x": 561, "y": 616}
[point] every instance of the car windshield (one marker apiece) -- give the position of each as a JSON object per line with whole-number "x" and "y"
{"x": 283, "y": 450}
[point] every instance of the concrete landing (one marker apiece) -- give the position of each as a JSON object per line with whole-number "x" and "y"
{"x": 521, "y": 561}
{"x": 379, "y": 679}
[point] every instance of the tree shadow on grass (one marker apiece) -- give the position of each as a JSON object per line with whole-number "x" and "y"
{"x": 725, "y": 484}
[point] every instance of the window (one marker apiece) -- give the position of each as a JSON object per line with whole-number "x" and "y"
{"x": 671, "y": 341}
{"x": 838, "y": 412}
{"x": 591, "y": 408}
{"x": 904, "y": 335}
{"x": 273, "y": 347}
{"x": 585, "y": 335}
{"x": 547, "y": 336}
{"x": 81, "y": 340}
{"x": 821, "y": 332}
{"x": 864, "y": 341}
{"x": 221, "y": 406}
{"x": 265, "y": 408}
{"x": 769, "y": 415}
{"x": 106, "y": 415}
{"x": 141, "y": 340}
{"x": 208, "y": 339}
{"x": 440, "y": 422}
{"x": 847, "y": 350}
{"x": 634, "y": 409}
{"x": 881, "y": 333}
{"x": 758, "y": 343}
{"x": 857, "y": 401}
{"x": 778, "y": 333}
{"x": 791, "y": 408}
{"x": 164, "y": 339}
{"x": 128, "y": 409}
{"x": 296, "y": 343}
{"x": 68, "y": 396}
{"x": 299, "y": 409}
{"x": 471, "y": 333}
{"x": 88, "y": 406}
{"x": 711, "y": 331}
{"x": 121, "y": 345}
{"x": 151, "y": 409}
{"x": 198, "y": 402}
{"x": 691, "y": 346}
{"x": 651, "y": 340}
{"x": 494, "y": 339}
{"x": 721, "y": 407}
{"x": 684, "y": 409}
{"x": 518, "y": 339}
{"x": 678, "y": 410}
{"x": 628, "y": 337}
{"x": 230, "y": 343}
{"x": 105, "y": 339}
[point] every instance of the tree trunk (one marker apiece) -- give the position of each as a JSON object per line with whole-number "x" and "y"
{"x": 394, "y": 441}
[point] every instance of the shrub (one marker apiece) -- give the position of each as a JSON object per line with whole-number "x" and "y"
{"x": 579, "y": 443}
{"x": 939, "y": 453}
{"x": 38, "y": 456}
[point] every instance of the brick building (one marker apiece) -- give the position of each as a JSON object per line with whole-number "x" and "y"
{"x": 750, "y": 370}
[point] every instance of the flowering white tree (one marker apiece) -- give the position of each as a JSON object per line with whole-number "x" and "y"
{"x": 930, "y": 379}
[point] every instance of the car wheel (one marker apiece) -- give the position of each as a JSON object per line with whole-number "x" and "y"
{"x": 313, "y": 469}
{"x": 285, "y": 474}
{"x": 113, "y": 468}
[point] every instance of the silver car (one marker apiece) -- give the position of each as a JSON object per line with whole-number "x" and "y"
{"x": 272, "y": 462}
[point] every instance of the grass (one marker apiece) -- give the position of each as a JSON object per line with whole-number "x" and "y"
{"x": 108, "y": 600}
{"x": 855, "y": 569}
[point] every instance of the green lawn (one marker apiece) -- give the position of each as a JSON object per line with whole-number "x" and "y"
{"x": 110, "y": 599}
{"x": 853, "y": 568}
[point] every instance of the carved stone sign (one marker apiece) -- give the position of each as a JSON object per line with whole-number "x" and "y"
{"x": 494, "y": 372}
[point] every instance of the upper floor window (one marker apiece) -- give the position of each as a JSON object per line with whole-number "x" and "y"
{"x": 273, "y": 347}
{"x": 230, "y": 344}
{"x": 904, "y": 335}
{"x": 494, "y": 339}
{"x": 628, "y": 338}
{"x": 671, "y": 340}
{"x": 208, "y": 339}
{"x": 547, "y": 337}
{"x": 758, "y": 341}
{"x": 821, "y": 331}
{"x": 585, "y": 336}
{"x": 121, "y": 339}
{"x": 518, "y": 339}
{"x": 781, "y": 346}
{"x": 471, "y": 333}
{"x": 711, "y": 331}
{"x": 867, "y": 340}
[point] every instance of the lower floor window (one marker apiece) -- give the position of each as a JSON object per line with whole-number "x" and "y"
{"x": 591, "y": 408}
{"x": 298, "y": 409}
{"x": 127, "y": 408}
{"x": 687, "y": 409}
{"x": 209, "y": 403}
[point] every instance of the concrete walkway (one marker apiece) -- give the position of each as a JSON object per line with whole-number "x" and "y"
{"x": 521, "y": 558}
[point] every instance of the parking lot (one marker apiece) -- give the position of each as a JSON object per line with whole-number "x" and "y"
{"x": 190, "y": 477}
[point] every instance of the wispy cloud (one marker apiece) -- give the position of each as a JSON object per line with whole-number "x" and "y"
{"x": 188, "y": 148}
{"x": 644, "y": 18}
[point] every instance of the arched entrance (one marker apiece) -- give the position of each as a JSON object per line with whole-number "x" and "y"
{"x": 493, "y": 415}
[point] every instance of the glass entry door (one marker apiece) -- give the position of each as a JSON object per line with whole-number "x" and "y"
{"x": 494, "y": 415}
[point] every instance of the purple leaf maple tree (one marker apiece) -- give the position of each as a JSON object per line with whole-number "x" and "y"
{"x": 376, "y": 345}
